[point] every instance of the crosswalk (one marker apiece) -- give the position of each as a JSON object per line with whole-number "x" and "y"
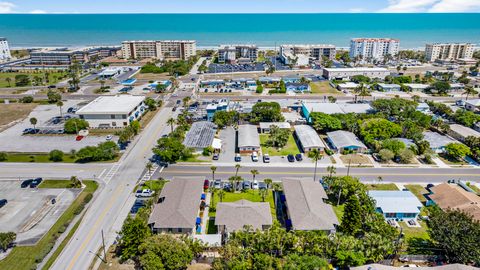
{"x": 148, "y": 174}
{"x": 108, "y": 177}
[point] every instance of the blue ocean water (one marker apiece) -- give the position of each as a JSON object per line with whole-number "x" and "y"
{"x": 414, "y": 30}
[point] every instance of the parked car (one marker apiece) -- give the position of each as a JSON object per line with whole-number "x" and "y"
{"x": 291, "y": 158}
{"x": 35, "y": 182}
{"x": 299, "y": 157}
{"x": 3, "y": 202}
{"x": 255, "y": 157}
{"x": 144, "y": 193}
{"x": 266, "y": 158}
{"x": 238, "y": 158}
{"x": 217, "y": 183}
{"x": 109, "y": 137}
{"x": 216, "y": 156}
{"x": 206, "y": 184}
{"x": 179, "y": 101}
{"x": 227, "y": 187}
{"x": 255, "y": 185}
{"x": 137, "y": 205}
{"x": 78, "y": 138}
{"x": 247, "y": 185}
{"x": 26, "y": 183}
{"x": 262, "y": 185}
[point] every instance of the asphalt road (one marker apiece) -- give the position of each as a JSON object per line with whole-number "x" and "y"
{"x": 403, "y": 175}
{"x": 9, "y": 171}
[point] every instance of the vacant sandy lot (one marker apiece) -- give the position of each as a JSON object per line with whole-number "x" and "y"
{"x": 14, "y": 112}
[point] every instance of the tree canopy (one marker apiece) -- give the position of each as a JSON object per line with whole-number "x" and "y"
{"x": 266, "y": 112}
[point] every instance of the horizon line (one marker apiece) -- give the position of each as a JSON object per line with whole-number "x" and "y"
{"x": 229, "y": 13}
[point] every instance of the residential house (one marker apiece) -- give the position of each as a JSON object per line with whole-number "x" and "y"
{"x": 437, "y": 142}
{"x": 341, "y": 141}
{"x": 298, "y": 87}
{"x": 248, "y": 139}
{"x": 417, "y": 87}
{"x": 473, "y": 105}
{"x": 235, "y": 216}
{"x": 266, "y": 126}
{"x": 395, "y": 204}
{"x": 385, "y": 87}
{"x": 308, "y": 139}
{"x": 460, "y": 132}
{"x": 452, "y": 196}
{"x": 347, "y": 86}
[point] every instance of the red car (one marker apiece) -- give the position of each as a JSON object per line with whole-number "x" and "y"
{"x": 79, "y": 138}
{"x": 206, "y": 184}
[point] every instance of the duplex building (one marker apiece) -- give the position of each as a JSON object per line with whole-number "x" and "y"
{"x": 235, "y": 216}
{"x": 113, "y": 111}
{"x": 393, "y": 204}
{"x": 299, "y": 55}
{"x": 373, "y": 48}
{"x": 159, "y": 49}
{"x": 448, "y": 51}
{"x": 305, "y": 205}
{"x": 4, "y": 50}
{"x": 248, "y": 139}
{"x": 347, "y": 73}
{"x": 178, "y": 207}
{"x": 65, "y": 56}
{"x": 234, "y": 53}
{"x": 308, "y": 138}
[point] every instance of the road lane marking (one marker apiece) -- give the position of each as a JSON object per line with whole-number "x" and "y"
{"x": 95, "y": 226}
{"x": 320, "y": 173}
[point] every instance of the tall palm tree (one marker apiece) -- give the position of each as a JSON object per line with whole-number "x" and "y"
{"x": 469, "y": 91}
{"x": 33, "y": 121}
{"x": 212, "y": 190}
{"x": 221, "y": 194}
{"x": 362, "y": 91}
{"x": 268, "y": 181}
{"x": 237, "y": 167}
{"x": 213, "y": 169}
{"x": 186, "y": 100}
{"x": 8, "y": 80}
{"x": 254, "y": 173}
{"x": 149, "y": 167}
{"x": 60, "y": 104}
{"x": 171, "y": 122}
{"x": 316, "y": 155}
{"x": 331, "y": 171}
{"x": 263, "y": 194}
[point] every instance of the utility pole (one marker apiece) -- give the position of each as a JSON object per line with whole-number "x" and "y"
{"x": 103, "y": 247}
{"x": 348, "y": 168}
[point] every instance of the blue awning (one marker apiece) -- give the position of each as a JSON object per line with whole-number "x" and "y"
{"x": 199, "y": 220}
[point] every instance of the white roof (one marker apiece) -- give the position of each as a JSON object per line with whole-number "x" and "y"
{"x": 437, "y": 140}
{"x": 355, "y": 107}
{"x": 348, "y": 85}
{"x": 217, "y": 143}
{"x": 358, "y": 69}
{"x": 393, "y": 201}
{"x": 464, "y": 131}
{"x": 308, "y": 137}
{"x": 341, "y": 139}
{"x": 120, "y": 104}
{"x": 473, "y": 102}
{"x": 323, "y": 107}
{"x": 387, "y": 85}
{"x": 248, "y": 136}
{"x": 265, "y": 125}
{"x": 417, "y": 85}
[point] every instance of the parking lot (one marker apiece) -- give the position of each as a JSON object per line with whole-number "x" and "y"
{"x": 29, "y": 211}
{"x": 14, "y": 141}
{"x": 226, "y": 68}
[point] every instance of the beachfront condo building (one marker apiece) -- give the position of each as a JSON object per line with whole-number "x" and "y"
{"x": 237, "y": 53}
{"x": 66, "y": 56}
{"x": 159, "y": 49}
{"x": 300, "y": 55}
{"x": 448, "y": 51}
{"x": 4, "y": 50}
{"x": 370, "y": 49}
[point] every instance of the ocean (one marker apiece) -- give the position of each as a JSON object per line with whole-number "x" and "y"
{"x": 266, "y": 30}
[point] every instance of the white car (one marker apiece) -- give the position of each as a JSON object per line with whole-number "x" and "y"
{"x": 255, "y": 184}
{"x": 254, "y": 157}
{"x": 109, "y": 137}
{"x": 144, "y": 193}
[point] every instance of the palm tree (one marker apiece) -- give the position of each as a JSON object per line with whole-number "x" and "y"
{"x": 254, "y": 173}
{"x": 212, "y": 190}
{"x": 213, "y": 169}
{"x": 469, "y": 91}
{"x": 380, "y": 179}
{"x": 237, "y": 167}
{"x": 221, "y": 194}
{"x": 331, "y": 170}
{"x": 362, "y": 91}
{"x": 263, "y": 194}
{"x": 316, "y": 155}
{"x": 33, "y": 121}
{"x": 8, "y": 80}
{"x": 102, "y": 84}
{"x": 268, "y": 181}
{"x": 149, "y": 167}
{"x": 171, "y": 122}
{"x": 277, "y": 186}
{"x": 186, "y": 100}
{"x": 60, "y": 104}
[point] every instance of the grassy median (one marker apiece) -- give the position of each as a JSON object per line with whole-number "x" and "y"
{"x": 27, "y": 257}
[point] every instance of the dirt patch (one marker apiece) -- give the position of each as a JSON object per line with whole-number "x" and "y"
{"x": 14, "y": 112}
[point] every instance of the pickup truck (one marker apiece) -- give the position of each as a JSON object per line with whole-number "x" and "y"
{"x": 144, "y": 193}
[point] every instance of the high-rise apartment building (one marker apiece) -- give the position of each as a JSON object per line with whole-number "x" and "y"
{"x": 302, "y": 53}
{"x": 160, "y": 49}
{"x": 232, "y": 53}
{"x": 448, "y": 51}
{"x": 373, "y": 48}
{"x": 4, "y": 50}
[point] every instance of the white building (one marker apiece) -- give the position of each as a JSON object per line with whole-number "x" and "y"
{"x": 232, "y": 53}
{"x": 4, "y": 50}
{"x": 160, "y": 49}
{"x": 67, "y": 56}
{"x": 300, "y": 55}
{"x": 113, "y": 111}
{"x": 373, "y": 48}
{"x": 347, "y": 73}
{"x": 448, "y": 51}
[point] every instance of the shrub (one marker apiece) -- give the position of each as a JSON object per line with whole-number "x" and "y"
{"x": 74, "y": 125}
{"x": 26, "y": 99}
{"x": 405, "y": 156}
{"x": 386, "y": 155}
{"x": 3, "y": 156}
{"x": 56, "y": 155}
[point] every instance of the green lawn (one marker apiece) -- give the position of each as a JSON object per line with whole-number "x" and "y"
{"x": 339, "y": 209}
{"x": 26, "y": 257}
{"x": 290, "y": 148}
{"x": 211, "y": 228}
{"x": 415, "y": 232}
{"x": 251, "y": 195}
{"x": 53, "y": 76}
{"x": 55, "y": 184}
{"x": 451, "y": 161}
{"x": 324, "y": 88}
{"x": 155, "y": 184}
{"x": 418, "y": 191}
{"x": 474, "y": 187}
{"x": 390, "y": 186}
{"x": 35, "y": 157}
{"x": 194, "y": 158}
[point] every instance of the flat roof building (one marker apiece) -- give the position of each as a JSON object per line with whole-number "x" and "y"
{"x": 387, "y": 87}
{"x": 113, "y": 111}
{"x": 178, "y": 206}
{"x": 452, "y": 196}
{"x": 234, "y": 216}
{"x": 448, "y": 51}
{"x": 333, "y": 108}
{"x": 248, "y": 139}
{"x": 437, "y": 141}
{"x": 4, "y": 50}
{"x": 240, "y": 52}
{"x": 461, "y": 133}
{"x": 393, "y": 204}
{"x": 306, "y": 207}
{"x": 265, "y": 126}
{"x": 308, "y": 138}
{"x": 341, "y": 140}
{"x": 347, "y": 73}
{"x": 159, "y": 49}
{"x": 373, "y": 48}
{"x": 473, "y": 105}
{"x": 67, "y": 56}
{"x": 200, "y": 135}
{"x": 417, "y": 87}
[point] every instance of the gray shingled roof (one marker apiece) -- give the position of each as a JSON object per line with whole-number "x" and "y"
{"x": 179, "y": 209}
{"x": 305, "y": 204}
{"x": 200, "y": 135}
{"x": 248, "y": 136}
{"x": 235, "y": 215}
{"x": 341, "y": 139}
{"x": 308, "y": 137}
{"x": 437, "y": 140}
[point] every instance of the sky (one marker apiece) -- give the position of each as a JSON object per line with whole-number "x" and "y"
{"x": 237, "y": 6}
